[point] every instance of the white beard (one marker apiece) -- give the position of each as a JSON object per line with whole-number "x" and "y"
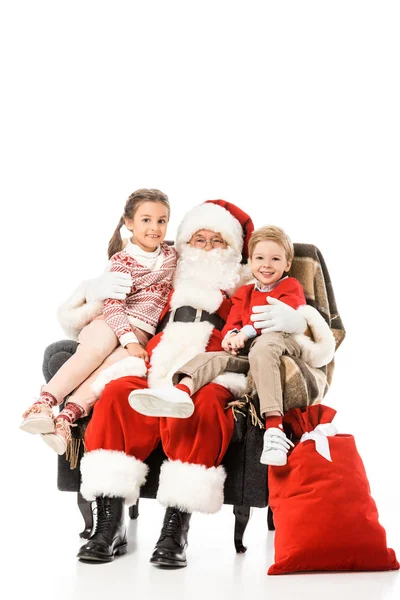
{"x": 200, "y": 276}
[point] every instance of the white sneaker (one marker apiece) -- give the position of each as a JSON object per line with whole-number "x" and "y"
{"x": 162, "y": 402}
{"x": 276, "y": 446}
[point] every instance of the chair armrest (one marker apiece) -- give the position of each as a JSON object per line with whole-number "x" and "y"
{"x": 56, "y": 355}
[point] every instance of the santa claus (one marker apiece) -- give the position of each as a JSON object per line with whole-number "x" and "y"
{"x": 212, "y": 245}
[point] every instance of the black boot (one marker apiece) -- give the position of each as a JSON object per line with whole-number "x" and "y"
{"x": 170, "y": 548}
{"x": 109, "y": 537}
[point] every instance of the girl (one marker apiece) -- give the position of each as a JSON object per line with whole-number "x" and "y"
{"x": 131, "y": 322}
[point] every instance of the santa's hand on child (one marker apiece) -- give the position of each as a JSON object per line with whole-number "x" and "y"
{"x": 278, "y": 316}
{"x": 109, "y": 284}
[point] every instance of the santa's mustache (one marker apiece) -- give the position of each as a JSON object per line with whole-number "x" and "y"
{"x": 218, "y": 268}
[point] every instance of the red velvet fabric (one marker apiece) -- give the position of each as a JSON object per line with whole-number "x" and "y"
{"x": 324, "y": 515}
{"x": 201, "y": 439}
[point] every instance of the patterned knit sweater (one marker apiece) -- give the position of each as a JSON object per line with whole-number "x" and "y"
{"x": 147, "y": 298}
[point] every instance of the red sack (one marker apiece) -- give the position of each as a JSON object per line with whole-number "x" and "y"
{"x": 324, "y": 515}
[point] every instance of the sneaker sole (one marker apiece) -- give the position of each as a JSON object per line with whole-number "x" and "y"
{"x": 38, "y": 425}
{"x": 57, "y": 444}
{"x": 152, "y": 406}
{"x": 272, "y": 463}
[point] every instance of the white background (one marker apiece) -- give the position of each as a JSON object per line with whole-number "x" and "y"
{"x": 289, "y": 110}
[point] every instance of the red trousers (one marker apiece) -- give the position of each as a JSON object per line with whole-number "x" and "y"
{"x": 118, "y": 440}
{"x": 201, "y": 439}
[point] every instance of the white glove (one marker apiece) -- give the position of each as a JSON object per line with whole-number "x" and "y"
{"x": 109, "y": 285}
{"x": 278, "y": 316}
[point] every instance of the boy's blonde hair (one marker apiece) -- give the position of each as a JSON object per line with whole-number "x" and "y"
{"x": 275, "y": 234}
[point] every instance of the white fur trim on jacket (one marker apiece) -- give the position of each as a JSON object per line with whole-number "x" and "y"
{"x": 112, "y": 473}
{"x": 320, "y": 352}
{"x": 131, "y": 365}
{"x": 191, "y": 487}
{"x": 234, "y": 382}
{"x": 180, "y": 343}
{"x": 75, "y": 313}
{"x": 213, "y": 217}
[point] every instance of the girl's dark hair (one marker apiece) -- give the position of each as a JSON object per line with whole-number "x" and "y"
{"x": 131, "y": 206}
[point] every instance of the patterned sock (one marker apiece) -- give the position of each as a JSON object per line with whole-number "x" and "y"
{"x": 183, "y": 388}
{"x": 72, "y": 412}
{"x": 46, "y": 398}
{"x": 274, "y": 421}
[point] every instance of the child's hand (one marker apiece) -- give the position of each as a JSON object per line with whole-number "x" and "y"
{"x": 234, "y": 342}
{"x": 238, "y": 341}
{"x": 137, "y": 350}
{"x": 225, "y": 344}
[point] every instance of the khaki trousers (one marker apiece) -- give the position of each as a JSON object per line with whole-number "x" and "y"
{"x": 262, "y": 355}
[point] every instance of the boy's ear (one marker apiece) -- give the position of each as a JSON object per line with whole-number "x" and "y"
{"x": 288, "y": 265}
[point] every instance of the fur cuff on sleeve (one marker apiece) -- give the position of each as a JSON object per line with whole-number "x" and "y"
{"x": 75, "y": 313}
{"x": 319, "y": 352}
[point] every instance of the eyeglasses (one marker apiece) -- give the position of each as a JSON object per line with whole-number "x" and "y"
{"x": 200, "y": 242}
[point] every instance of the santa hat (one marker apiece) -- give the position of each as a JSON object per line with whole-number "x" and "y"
{"x": 220, "y": 216}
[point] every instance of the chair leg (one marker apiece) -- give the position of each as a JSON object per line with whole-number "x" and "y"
{"x": 242, "y": 516}
{"x": 134, "y": 510}
{"x": 85, "y": 506}
{"x": 270, "y": 520}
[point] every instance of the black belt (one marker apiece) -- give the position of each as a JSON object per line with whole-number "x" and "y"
{"x": 188, "y": 314}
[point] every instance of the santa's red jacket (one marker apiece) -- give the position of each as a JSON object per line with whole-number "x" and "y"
{"x": 181, "y": 341}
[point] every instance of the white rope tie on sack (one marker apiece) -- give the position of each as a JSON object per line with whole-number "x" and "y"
{"x": 320, "y": 436}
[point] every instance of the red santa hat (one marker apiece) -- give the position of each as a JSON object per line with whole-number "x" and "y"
{"x": 220, "y": 216}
